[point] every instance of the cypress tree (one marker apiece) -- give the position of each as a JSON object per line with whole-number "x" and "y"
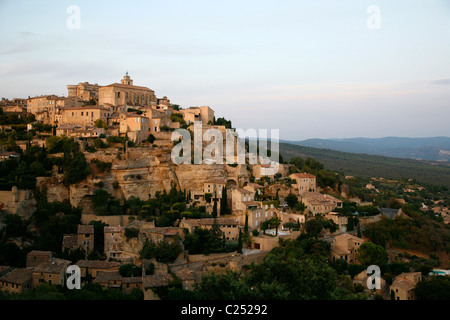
{"x": 214, "y": 212}
{"x": 240, "y": 241}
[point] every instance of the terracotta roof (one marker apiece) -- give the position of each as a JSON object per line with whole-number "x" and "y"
{"x": 185, "y": 275}
{"x": 85, "y": 228}
{"x": 39, "y": 253}
{"x": 96, "y": 264}
{"x": 210, "y": 221}
{"x": 88, "y": 107}
{"x": 160, "y": 280}
{"x": 255, "y": 185}
{"x": 339, "y": 250}
{"x": 403, "y": 284}
{"x": 303, "y": 175}
{"x": 5, "y": 269}
{"x": 127, "y": 86}
{"x": 50, "y": 267}
{"x": 106, "y": 276}
{"x": 70, "y": 240}
{"x": 18, "y": 276}
{"x": 242, "y": 190}
{"x": 132, "y": 279}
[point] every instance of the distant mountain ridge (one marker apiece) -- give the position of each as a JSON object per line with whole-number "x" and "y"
{"x": 368, "y": 165}
{"x": 430, "y": 149}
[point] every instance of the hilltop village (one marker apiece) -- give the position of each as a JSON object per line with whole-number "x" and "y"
{"x": 88, "y": 180}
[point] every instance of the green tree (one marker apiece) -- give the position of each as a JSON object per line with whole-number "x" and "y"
{"x": 77, "y": 170}
{"x": 291, "y": 200}
{"x": 371, "y": 254}
{"x": 436, "y": 288}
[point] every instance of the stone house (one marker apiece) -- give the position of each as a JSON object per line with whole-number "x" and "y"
{"x": 305, "y": 182}
{"x": 229, "y": 226}
{"x": 344, "y": 247}
{"x": 215, "y": 187}
{"x": 404, "y": 286}
{"x": 36, "y": 257}
{"x": 85, "y": 237}
{"x": 15, "y": 280}
{"x": 114, "y": 238}
{"x": 53, "y": 273}
{"x": 241, "y": 200}
{"x": 362, "y": 277}
{"x": 92, "y": 267}
{"x": 135, "y": 126}
{"x": 150, "y": 283}
{"x": 131, "y": 283}
{"x": 186, "y": 277}
{"x": 109, "y": 279}
{"x": 341, "y": 221}
{"x": 318, "y": 203}
{"x": 85, "y": 116}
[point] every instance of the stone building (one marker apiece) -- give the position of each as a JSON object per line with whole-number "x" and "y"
{"x": 204, "y": 114}
{"x": 305, "y": 182}
{"x": 242, "y": 200}
{"x": 84, "y": 91}
{"x": 109, "y": 279}
{"x": 344, "y": 247}
{"x": 114, "y": 238}
{"x": 404, "y": 286}
{"x": 51, "y": 273}
{"x": 85, "y": 237}
{"x": 126, "y": 93}
{"x": 15, "y": 280}
{"x": 135, "y": 126}
{"x": 36, "y": 257}
{"x": 229, "y": 226}
{"x": 215, "y": 187}
{"x": 150, "y": 283}
{"x": 17, "y": 201}
{"x": 85, "y": 116}
{"x": 318, "y": 203}
{"x": 93, "y": 267}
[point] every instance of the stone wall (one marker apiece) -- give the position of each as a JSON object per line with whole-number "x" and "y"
{"x": 113, "y": 221}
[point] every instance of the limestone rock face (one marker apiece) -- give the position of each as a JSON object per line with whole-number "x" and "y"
{"x": 56, "y": 190}
{"x": 140, "y": 172}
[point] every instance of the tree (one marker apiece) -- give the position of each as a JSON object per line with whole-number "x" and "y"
{"x": 297, "y": 161}
{"x": 358, "y": 234}
{"x": 313, "y": 227}
{"x": 99, "y": 123}
{"x": 77, "y": 170}
{"x": 371, "y": 254}
{"x": 214, "y": 211}
{"x": 130, "y": 270}
{"x": 350, "y": 224}
{"x": 224, "y": 202}
{"x": 240, "y": 241}
{"x": 437, "y": 288}
{"x": 291, "y": 200}
{"x": 151, "y": 138}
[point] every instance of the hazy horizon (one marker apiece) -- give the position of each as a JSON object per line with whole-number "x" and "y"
{"x": 311, "y": 69}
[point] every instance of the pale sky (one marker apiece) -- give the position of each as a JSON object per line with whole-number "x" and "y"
{"x": 312, "y": 69}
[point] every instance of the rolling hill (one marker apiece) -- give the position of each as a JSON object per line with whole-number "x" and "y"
{"x": 366, "y": 165}
{"x": 432, "y": 149}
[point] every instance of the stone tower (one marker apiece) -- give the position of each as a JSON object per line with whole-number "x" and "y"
{"x": 127, "y": 80}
